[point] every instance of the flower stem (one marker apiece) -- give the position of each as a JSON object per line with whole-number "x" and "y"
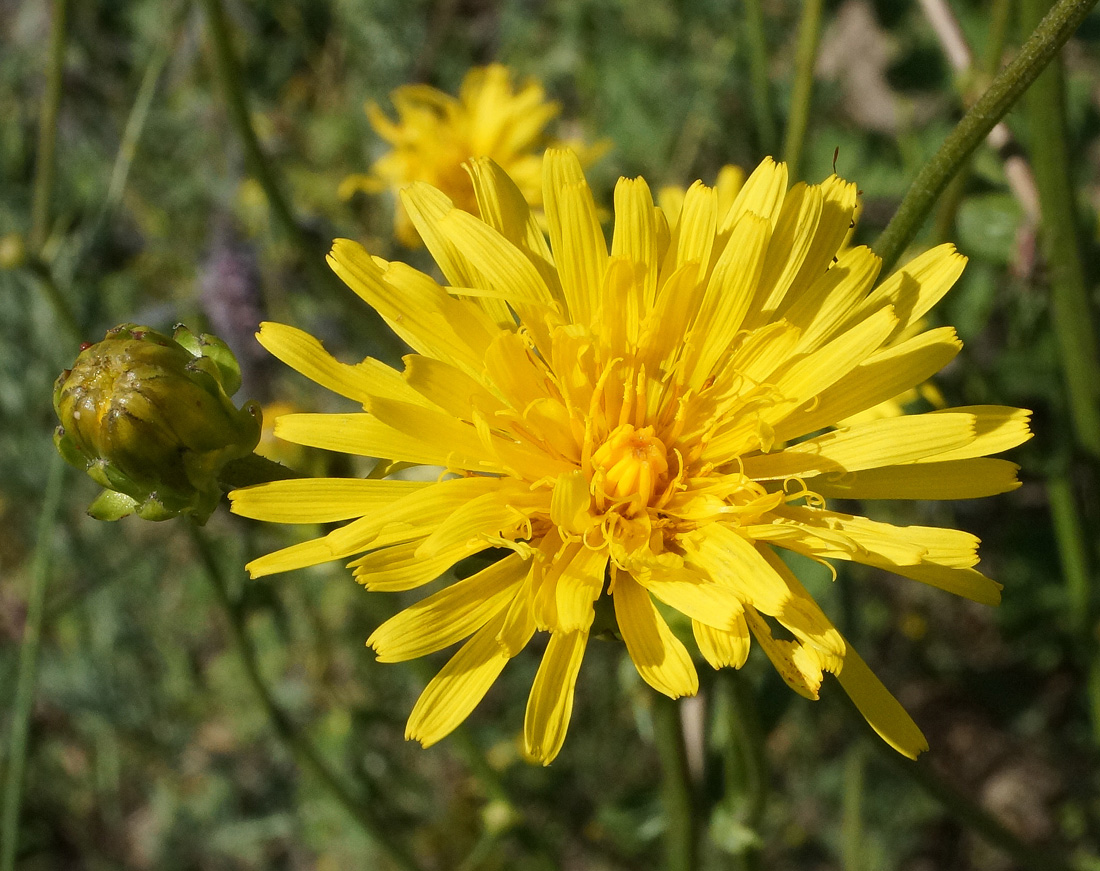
{"x": 45, "y": 162}
{"x": 679, "y": 800}
{"x": 851, "y": 820}
{"x": 28, "y": 666}
{"x": 299, "y": 745}
{"x": 1071, "y": 307}
{"x": 310, "y": 251}
{"x": 809, "y": 34}
{"x": 760, "y": 88}
{"x": 1051, "y": 33}
{"x": 236, "y": 100}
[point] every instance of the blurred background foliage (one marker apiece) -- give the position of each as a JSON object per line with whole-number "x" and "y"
{"x": 149, "y": 746}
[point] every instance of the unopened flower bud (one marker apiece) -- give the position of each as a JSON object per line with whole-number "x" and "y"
{"x": 150, "y": 419}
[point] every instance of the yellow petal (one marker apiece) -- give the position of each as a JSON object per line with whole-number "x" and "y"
{"x": 660, "y": 657}
{"x": 799, "y": 671}
{"x": 880, "y": 377}
{"x": 450, "y": 615}
{"x": 579, "y": 583}
{"x": 448, "y": 387}
{"x": 395, "y": 568}
{"x": 453, "y": 693}
{"x": 728, "y": 294}
{"x": 502, "y": 268}
{"x": 881, "y": 710}
{"x": 917, "y": 286}
{"x": 365, "y": 435}
{"x": 826, "y": 303}
{"x": 790, "y": 243}
{"x": 501, "y": 512}
{"x": 761, "y": 194}
{"x": 723, "y": 649}
{"x": 550, "y": 704}
{"x": 998, "y": 429}
{"x": 318, "y": 500}
{"x": 305, "y": 354}
{"x": 576, "y": 237}
{"x": 877, "y": 443}
{"x": 415, "y": 307}
{"x": 635, "y": 235}
{"x": 951, "y": 479}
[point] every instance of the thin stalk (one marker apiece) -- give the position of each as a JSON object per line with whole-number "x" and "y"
{"x": 745, "y": 768}
{"x": 749, "y": 741}
{"x": 851, "y": 814}
{"x": 760, "y": 88}
{"x": 809, "y": 34}
{"x": 681, "y": 830}
{"x": 310, "y": 253}
{"x": 299, "y": 745}
{"x": 1071, "y": 307}
{"x": 236, "y": 101}
{"x": 1050, "y": 35}
{"x": 28, "y": 666}
{"x": 1000, "y": 14}
{"x": 39, "y": 273}
{"x": 45, "y": 158}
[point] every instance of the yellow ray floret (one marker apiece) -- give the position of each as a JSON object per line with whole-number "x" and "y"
{"x": 655, "y": 421}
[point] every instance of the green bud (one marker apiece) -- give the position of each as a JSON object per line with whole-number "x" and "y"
{"x": 149, "y": 418}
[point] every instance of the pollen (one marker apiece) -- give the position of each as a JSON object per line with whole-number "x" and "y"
{"x": 630, "y": 466}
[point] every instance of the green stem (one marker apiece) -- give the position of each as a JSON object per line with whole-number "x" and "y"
{"x": 300, "y": 746}
{"x": 851, "y": 815}
{"x": 254, "y": 469}
{"x": 809, "y": 34}
{"x": 748, "y": 740}
{"x": 28, "y": 666}
{"x": 760, "y": 88}
{"x": 1071, "y": 306}
{"x": 1072, "y": 551}
{"x": 45, "y": 162}
{"x": 309, "y": 250}
{"x": 679, "y": 800}
{"x": 236, "y": 100}
{"x": 1034, "y": 55}
{"x": 1073, "y": 555}
{"x": 40, "y": 274}
{"x": 996, "y": 35}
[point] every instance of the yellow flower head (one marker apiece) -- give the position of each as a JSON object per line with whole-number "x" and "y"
{"x": 635, "y": 422}
{"x": 435, "y": 134}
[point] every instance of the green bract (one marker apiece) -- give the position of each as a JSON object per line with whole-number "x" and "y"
{"x": 149, "y": 418}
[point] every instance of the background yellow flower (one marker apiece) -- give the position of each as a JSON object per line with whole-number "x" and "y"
{"x": 436, "y": 133}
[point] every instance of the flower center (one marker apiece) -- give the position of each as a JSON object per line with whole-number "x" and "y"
{"x": 632, "y": 464}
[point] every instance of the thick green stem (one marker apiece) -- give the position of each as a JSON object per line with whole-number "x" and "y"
{"x": 1071, "y": 308}
{"x": 1033, "y": 57}
{"x": 45, "y": 161}
{"x": 299, "y": 745}
{"x": 745, "y": 767}
{"x": 809, "y": 34}
{"x": 760, "y": 87}
{"x": 28, "y": 666}
{"x": 681, "y": 831}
